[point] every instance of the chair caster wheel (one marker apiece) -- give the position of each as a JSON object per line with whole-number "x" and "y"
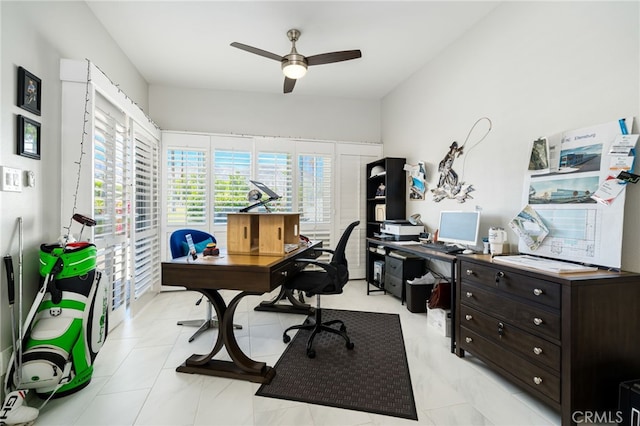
{"x": 343, "y": 328}
{"x": 350, "y": 345}
{"x": 286, "y": 338}
{"x": 311, "y": 353}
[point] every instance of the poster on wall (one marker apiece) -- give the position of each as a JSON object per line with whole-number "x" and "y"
{"x": 561, "y": 187}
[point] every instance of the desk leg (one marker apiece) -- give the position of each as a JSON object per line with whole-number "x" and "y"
{"x": 242, "y": 367}
{"x": 296, "y": 307}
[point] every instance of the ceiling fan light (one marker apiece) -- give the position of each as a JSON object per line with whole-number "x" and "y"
{"x": 294, "y": 70}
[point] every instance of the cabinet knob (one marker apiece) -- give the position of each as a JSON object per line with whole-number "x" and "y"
{"x": 537, "y": 291}
{"x": 537, "y": 350}
{"x": 469, "y": 271}
{"x": 468, "y": 339}
{"x": 468, "y": 317}
{"x": 284, "y": 273}
{"x": 537, "y": 380}
{"x": 469, "y": 294}
{"x": 537, "y": 321}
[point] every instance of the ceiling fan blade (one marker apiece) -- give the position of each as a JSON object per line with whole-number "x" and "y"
{"x": 289, "y": 83}
{"x": 327, "y": 58}
{"x": 257, "y": 51}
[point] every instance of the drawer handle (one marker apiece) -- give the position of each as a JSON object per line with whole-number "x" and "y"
{"x": 537, "y": 321}
{"x": 500, "y": 329}
{"x": 537, "y": 350}
{"x": 469, "y": 271}
{"x": 537, "y": 380}
{"x": 284, "y": 273}
{"x": 469, "y": 294}
{"x": 468, "y": 339}
{"x": 468, "y": 317}
{"x": 537, "y": 291}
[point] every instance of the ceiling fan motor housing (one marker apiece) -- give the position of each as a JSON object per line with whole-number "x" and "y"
{"x": 294, "y": 58}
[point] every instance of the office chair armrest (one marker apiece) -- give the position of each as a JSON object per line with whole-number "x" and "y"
{"x": 331, "y": 270}
{"x": 326, "y": 250}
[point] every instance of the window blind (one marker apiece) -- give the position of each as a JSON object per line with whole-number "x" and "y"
{"x": 146, "y": 227}
{"x": 314, "y": 188}
{"x": 186, "y": 187}
{"x": 231, "y": 175}
{"x": 275, "y": 170}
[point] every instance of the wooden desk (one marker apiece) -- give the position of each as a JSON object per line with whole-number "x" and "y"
{"x": 251, "y": 275}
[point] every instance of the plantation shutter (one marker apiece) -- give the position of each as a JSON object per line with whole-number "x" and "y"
{"x": 146, "y": 219}
{"x": 186, "y": 182}
{"x": 231, "y": 175}
{"x": 112, "y": 167}
{"x": 315, "y": 183}
{"x": 275, "y": 170}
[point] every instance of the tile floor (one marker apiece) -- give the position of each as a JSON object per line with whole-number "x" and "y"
{"x": 135, "y": 382}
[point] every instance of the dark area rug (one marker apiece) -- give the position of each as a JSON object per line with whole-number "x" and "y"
{"x": 373, "y": 377}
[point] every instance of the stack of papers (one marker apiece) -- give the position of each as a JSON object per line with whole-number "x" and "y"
{"x": 547, "y": 265}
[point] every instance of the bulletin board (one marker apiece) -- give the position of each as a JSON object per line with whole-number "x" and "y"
{"x": 572, "y": 193}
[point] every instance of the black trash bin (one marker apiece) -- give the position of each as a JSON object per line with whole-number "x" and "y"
{"x": 417, "y": 295}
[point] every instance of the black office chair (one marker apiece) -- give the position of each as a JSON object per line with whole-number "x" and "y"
{"x": 330, "y": 280}
{"x": 179, "y": 248}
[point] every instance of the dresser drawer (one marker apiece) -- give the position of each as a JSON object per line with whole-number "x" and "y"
{"x": 393, "y": 285}
{"x": 534, "y": 318}
{"x": 393, "y": 266}
{"x": 536, "y": 349}
{"x": 280, "y": 274}
{"x": 538, "y": 379}
{"x": 535, "y": 290}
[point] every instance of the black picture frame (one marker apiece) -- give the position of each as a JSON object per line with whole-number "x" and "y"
{"x": 28, "y": 137}
{"x": 29, "y": 91}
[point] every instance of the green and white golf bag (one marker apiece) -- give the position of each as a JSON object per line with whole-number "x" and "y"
{"x": 66, "y": 326}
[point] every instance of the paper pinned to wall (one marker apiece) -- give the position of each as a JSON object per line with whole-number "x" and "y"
{"x": 528, "y": 225}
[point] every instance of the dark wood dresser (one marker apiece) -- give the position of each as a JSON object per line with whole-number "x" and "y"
{"x": 568, "y": 339}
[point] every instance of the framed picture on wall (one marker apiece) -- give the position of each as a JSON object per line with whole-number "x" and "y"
{"x": 29, "y": 88}
{"x": 28, "y": 137}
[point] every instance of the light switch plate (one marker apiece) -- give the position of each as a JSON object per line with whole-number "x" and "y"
{"x": 11, "y": 179}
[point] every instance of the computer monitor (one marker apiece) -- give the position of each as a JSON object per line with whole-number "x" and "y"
{"x": 459, "y": 227}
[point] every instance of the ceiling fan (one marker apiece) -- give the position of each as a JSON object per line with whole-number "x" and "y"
{"x": 294, "y": 65}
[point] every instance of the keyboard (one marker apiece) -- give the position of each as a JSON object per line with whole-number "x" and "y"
{"x": 443, "y": 248}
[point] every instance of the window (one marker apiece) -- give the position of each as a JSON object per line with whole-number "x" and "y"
{"x": 146, "y": 224}
{"x": 117, "y": 184}
{"x": 231, "y": 174}
{"x": 186, "y": 187}
{"x": 314, "y": 188}
{"x": 112, "y": 165}
{"x": 275, "y": 170}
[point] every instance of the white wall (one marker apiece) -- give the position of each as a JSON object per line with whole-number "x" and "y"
{"x": 534, "y": 69}
{"x": 36, "y": 35}
{"x": 262, "y": 114}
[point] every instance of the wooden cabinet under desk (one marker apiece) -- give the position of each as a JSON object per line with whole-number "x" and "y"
{"x": 568, "y": 339}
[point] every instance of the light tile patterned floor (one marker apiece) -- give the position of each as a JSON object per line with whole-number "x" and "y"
{"x": 135, "y": 382}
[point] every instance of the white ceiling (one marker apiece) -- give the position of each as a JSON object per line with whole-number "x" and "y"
{"x": 186, "y": 43}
